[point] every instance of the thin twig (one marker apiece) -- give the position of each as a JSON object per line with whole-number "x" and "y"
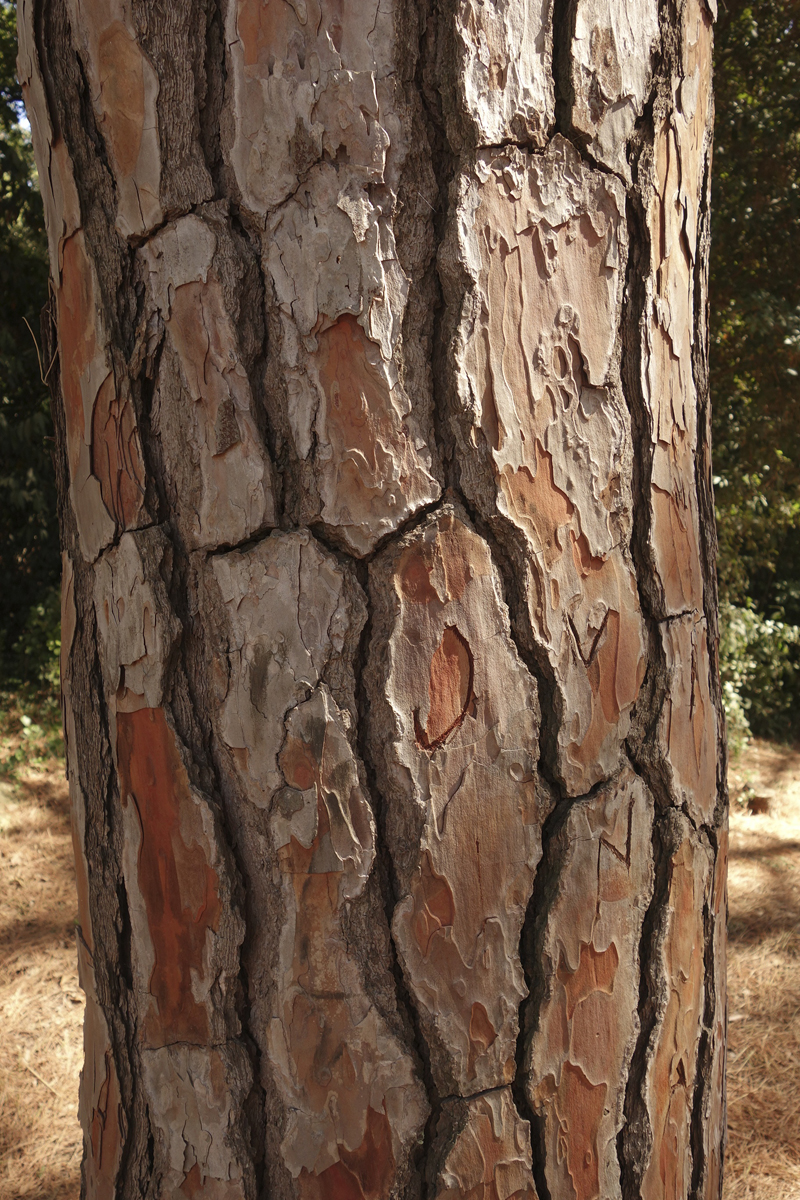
{"x": 42, "y": 376}
{"x": 36, "y": 1075}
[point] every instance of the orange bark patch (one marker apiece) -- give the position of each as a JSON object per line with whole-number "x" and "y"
{"x": 434, "y": 905}
{"x": 414, "y": 574}
{"x": 449, "y": 690}
{"x": 105, "y": 1134}
{"x": 366, "y": 1173}
{"x": 116, "y": 455}
{"x": 192, "y": 1183}
{"x": 299, "y": 766}
{"x": 596, "y": 973}
{"x": 585, "y": 562}
{"x": 537, "y": 503}
{"x": 580, "y": 1110}
{"x": 115, "y": 451}
{"x": 672, "y": 1072}
{"x": 462, "y": 559}
{"x": 677, "y": 549}
{"x": 178, "y": 885}
{"x": 359, "y": 408}
{"x": 482, "y": 1034}
{"x": 488, "y": 1160}
{"x": 265, "y": 27}
{"x": 122, "y": 94}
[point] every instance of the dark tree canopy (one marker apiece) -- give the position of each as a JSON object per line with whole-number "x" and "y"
{"x": 29, "y": 558}
{"x": 755, "y": 298}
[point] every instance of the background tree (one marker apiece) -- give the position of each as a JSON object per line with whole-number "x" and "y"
{"x": 389, "y": 611}
{"x": 755, "y": 356}
{"x": 29, "y": 555}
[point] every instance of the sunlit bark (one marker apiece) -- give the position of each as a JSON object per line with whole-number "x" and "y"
{"x": 389, "y": 642}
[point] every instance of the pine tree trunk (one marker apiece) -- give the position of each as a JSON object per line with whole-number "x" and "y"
{"x": 395, "y": 745}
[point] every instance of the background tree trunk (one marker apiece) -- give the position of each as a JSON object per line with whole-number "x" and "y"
{"x": 389, "y": 617}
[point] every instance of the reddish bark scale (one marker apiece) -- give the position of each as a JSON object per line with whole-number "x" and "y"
{"x": 449, "y": 690}
{"x": 580, "y": 1105}
{"x": 116, "y": 459}
{"x": 116, "y": 456}
{"x": 178, "y": 886}
{"x": 122, "y": 90}
{"x": 105, "y": 1135}
{"x": 366, "y": 1173}
{"x": 434, "y": 905}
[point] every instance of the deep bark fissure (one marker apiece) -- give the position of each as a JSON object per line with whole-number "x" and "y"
{"x": 531, "y": 955}
{"x": 634, "y": 1141}
{"x": 564, "y": 16}
{"x": 211, "y": 107}
{"x": 704, "y": 1051}
{"x": 93, "y": 177}
{"x": 385, "y": 870}
{"x": 195, "y": 728}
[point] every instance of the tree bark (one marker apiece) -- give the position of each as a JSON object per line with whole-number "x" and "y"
{"x": 394, "y": 732}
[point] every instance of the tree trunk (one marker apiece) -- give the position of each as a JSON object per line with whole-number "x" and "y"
{"x": 395, "y": 744}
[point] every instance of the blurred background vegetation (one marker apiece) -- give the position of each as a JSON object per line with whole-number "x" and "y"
{"x": 29, "y": 552}
{"x": 755, "y": 364}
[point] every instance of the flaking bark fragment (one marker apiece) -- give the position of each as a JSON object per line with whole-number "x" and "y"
{"x": 107, "y": 478}
{"x": 677, "y": 976}
{"x": 611, "y": 58}
{"x": 180, "y": 883}
{"x": 321, "y": 143}
{"x": 196, "y": 1096}
{"x": 500, "y": 72}
{"x": 350, "y": 1107}
{"x": 688, "y": 727}
{"x": 218, "y": 474}
{"x": 586, "y": 1027}
{"x": 533, "y": 267}
{"x": 482, "y": 1151}
{"x": 124, "y": 89}
{"x": 673, "y": 199}
{"x": 453, "y": 728}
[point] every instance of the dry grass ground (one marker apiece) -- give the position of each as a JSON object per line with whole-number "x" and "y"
{"x": 764, "y": 976}
{"x": 41, "y": 1006}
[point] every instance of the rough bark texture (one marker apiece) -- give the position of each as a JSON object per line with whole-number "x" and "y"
{"x": 389, "y": 656}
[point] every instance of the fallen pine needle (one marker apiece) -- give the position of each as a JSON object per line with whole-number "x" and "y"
{"x": 36, "y": 1075}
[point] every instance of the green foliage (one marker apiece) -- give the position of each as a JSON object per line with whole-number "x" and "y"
{"x": 29, "y": 558}
{"x": 30, "y": 729}
{"x": 760, "y": 668}
{"x": 755, "y": 298}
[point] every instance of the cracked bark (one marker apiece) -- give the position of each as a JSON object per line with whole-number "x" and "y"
{"x": 389, "y": 622}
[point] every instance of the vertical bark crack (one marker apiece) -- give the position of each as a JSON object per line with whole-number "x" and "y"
{"x": 387, "y": 881}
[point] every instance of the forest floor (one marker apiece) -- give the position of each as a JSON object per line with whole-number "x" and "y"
{"x": 41, "y": 1005}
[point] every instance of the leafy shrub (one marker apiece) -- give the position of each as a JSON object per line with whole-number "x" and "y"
{"x": 760, "y": 669}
